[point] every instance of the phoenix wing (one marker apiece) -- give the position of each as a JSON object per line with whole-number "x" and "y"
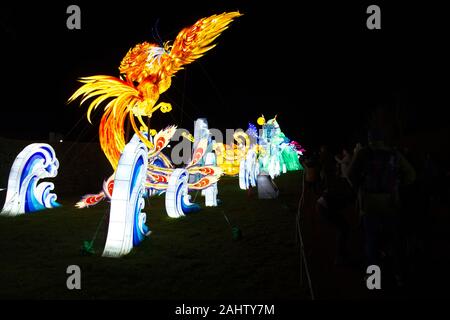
{"x": 193, "y": 42}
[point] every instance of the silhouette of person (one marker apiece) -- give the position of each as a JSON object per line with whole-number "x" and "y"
{"x": 376, "y": 172}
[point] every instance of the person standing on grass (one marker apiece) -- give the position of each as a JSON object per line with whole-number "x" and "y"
{"x": 377, "y": 172}
{"x": 310, "y": 164}
{"x": 335, "y": 197}
{"x": 344, "y": 162}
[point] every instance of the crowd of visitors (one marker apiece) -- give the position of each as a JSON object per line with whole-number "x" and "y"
{"x": 390, "y": 189}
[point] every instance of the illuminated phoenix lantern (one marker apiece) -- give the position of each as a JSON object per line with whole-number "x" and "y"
{"x": 145, "y": 73}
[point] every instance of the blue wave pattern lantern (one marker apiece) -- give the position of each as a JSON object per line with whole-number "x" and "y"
{"x": 127, "y": 226}
{"x": 177, "y": 197}
{"x": 25, "y": 194}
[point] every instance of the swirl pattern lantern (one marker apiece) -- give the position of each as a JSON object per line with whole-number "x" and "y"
{"x": 177, "y": 198}
{"x": 25, "y": 194}
{"x": 160, "y": 170}
{"x": 127, "y": 226}
{"x": 211, "y": 192}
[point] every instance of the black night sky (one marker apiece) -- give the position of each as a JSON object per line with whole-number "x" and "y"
{"x": 315, "y": 65}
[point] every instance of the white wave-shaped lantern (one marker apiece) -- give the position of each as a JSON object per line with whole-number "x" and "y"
{"x": 25, "y": 194}
{"x": 127, "y": 226}
{"x": 177, "y": 197}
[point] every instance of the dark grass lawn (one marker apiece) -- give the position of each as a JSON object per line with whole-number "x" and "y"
{"x": 193, "y": 257}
